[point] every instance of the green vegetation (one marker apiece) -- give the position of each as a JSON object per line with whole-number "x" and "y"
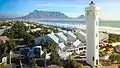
{"x": 115, "y": 57}
{"x": 6, "y": 47}
{"x": 114, "y": 38}
{"x": 20, "y": 31}
{"x": 54, "y": 57}
{"x": 73, "y": 64}
{"x": 23, "y": 30}
{"x": 103, "y": 53}
{"x": 48, "y": 45}
{"x": 106, "y": 50}
{"x": 35, "y": 64}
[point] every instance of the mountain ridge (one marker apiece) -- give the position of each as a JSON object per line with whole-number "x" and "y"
{"x": 44, "y": 15}
{"x": 36, "y": 14}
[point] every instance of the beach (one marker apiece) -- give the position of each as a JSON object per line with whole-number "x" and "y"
{"x": 108, "y": 23}
{"x": 105, "y": 26}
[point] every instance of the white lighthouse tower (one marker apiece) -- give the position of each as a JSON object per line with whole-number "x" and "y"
{"x": 92, "y": 21}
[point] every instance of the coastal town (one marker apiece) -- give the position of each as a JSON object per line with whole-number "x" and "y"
{"x": 28, "y": 44}
{"x": 31, "y": 42}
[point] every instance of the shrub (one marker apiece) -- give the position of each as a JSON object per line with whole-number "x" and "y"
{"x": 80, "y": 66}
{"x": 35, "y": 66}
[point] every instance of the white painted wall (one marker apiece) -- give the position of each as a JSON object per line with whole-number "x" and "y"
{"x": 92, "y": 21}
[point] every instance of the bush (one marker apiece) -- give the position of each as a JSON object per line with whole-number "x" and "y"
{"x": 59, "y": 63}
{"x": 73, "y": 64}
{"x": 35, "y": 66}
{"x": 80, "y": 66}
{"x": 112, "y": 57}
{"x": 115, "y": 57}
{"x": 114, "y": 38}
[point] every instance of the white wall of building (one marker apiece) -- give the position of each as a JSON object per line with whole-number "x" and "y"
{"x": 92, "y": 20}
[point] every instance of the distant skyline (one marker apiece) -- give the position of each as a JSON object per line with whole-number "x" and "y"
{"x": 110, "y": 9}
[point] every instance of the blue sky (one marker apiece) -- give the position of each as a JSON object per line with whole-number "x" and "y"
{"x": 110, "y": 9}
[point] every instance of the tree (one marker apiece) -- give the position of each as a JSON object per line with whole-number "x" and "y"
{"x": 43, "y": 42}
{"x": 11, "y": 44}
{"x": 54, "y": 57}
{"x": 28, "y": 38}
{"x": 73, "y": 64}
{"x": 3, "y": 49}
{"x": 50, "y": 46}
{"x": 6, "y": 47}
{"x": 9, "y": 33}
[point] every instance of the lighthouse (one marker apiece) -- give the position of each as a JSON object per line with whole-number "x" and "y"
{"x": 92, "y": 21}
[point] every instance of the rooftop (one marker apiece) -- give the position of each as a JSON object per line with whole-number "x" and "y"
{"x": 53, "y": 37}
{"x": 3, "y": 38}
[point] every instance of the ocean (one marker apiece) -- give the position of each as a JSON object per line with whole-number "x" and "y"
{"x": 78, "y": 22}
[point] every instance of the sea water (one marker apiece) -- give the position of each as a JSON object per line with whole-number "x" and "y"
{"x": 106, "y": 23}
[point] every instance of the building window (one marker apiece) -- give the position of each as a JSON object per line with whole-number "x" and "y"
{"x": 93, "y": 59}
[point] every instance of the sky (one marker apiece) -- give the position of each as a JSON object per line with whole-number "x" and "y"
{"x": 110, "y": 9}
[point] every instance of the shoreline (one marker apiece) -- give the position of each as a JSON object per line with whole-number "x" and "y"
{"x": 107, "y": 29}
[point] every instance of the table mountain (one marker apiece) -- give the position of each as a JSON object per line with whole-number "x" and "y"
{"x": 44, "y": 15}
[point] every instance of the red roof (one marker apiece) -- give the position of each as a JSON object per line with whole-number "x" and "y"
{"x": 3, "y": 38}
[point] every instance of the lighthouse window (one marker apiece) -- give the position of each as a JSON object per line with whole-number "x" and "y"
{"x": 85, "y": 48}
{"x": 93, "y": 58}
{"x": 80, "y": 48}
{"x": 96, "y": 62}
{"x": 96, "y": 34}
